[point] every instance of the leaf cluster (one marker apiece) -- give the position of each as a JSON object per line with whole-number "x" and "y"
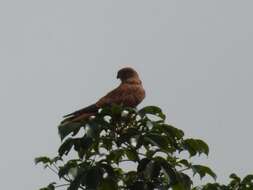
{"x": 118, "y": 135}
{"x": 236, "y": 183}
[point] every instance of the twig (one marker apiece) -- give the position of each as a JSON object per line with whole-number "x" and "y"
{"x": 56, "y": 167}
{"x": 68, "y": 180}
{"x": 126, "y": 161}
{"x": 62, "y": 185}
{"x": 184, "y": 169}
{"x": 52, "y": 170}
{"x": 141, "y": 154}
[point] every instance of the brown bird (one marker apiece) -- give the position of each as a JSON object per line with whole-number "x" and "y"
{"x": 129, "y": 93}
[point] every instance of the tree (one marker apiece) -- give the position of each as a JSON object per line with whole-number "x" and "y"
{"x": 118, "y": 135}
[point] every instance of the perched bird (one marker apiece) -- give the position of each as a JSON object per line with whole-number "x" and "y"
{"x": 129, "y": 93}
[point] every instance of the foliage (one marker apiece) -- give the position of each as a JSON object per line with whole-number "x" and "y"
{"x": 236, "y": 183}
{"x": 118, "y": 135}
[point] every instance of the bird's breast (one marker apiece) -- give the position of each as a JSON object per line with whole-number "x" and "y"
{"x": 134, "y": 95}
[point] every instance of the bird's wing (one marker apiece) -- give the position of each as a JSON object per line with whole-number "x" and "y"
{"x": 125, "y": 94}
{"x": 81, "y": 114}
{"x": 89, "y": 109}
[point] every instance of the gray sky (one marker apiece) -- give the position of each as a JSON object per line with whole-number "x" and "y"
{"x": 195, "y": 59}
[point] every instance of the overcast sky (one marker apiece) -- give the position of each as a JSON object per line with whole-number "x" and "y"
{"x": 194, "y": 57}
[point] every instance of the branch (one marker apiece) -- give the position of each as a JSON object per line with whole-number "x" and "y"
{"x": 52, "y": 170}
{"x": 56, "y": 167}
{"x": 126, "y": 161}
{"x": 141, "y": 154}
{"x": 68, "y": 180}
{"x": 62, "y": 185}
{"x": 184, "y": 169}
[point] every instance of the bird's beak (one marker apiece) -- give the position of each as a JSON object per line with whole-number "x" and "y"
{"x": 117, "y": 76}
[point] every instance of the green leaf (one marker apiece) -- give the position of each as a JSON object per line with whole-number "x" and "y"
{"x": 203, "y": 147}
{"x": 93, "y": 177}
{"x": 158, "y": 140}
{"x": 152, "y": 170}
{"x": 138, "y": 185}
{"x": 108, "y": 169}
{"x": 93, "y": 129}
{"x": 116, "y": 156}
{"x": 82, "y": 145}
{"x": 248, "y": 179}
{"x": 75, "y": 184}
{"x": 203, "y": 170}
{"x": 127, "y": 134}
{"x": 132, "y": 154}
{"x": 130, "y": 177}
{"x": 172, "y": 131}
{"x": 106, "y": 143}
{"x": 194, "y": 146}
{"x": 64, "y": 170}
{"x": 42, "y": 159}
{"x": 169, "y": 170}
{"x": 153, "y": 110}
{"x": 184, "y": 162}
{"x": 235, "y": 177}
{"x": 51, "y": 186}
{"x": 150, "y": 153}
{"x": 108, "y": 184}
{"x": 212, "y": 186}
{"x": 56, "y": 159}
{"x": 185, "y": 180}
{"x": 116, "y": 110}
{"x": 72, "y": 127}
{"x": 66, "y": 147}
{"x": 142, "y": 164}
{"x": 178, "y": 186}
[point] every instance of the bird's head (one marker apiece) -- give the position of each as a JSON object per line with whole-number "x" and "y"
{"x": 127, "y": 73}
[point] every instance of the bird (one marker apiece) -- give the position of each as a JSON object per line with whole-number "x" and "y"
{"x": 129, "y": 93}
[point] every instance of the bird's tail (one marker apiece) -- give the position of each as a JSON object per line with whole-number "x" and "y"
{"x": 89, "y": 109}
{"x": 81, "y": 114}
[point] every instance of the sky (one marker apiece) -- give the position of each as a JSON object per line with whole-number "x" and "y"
{"x": 194, "y": 58}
